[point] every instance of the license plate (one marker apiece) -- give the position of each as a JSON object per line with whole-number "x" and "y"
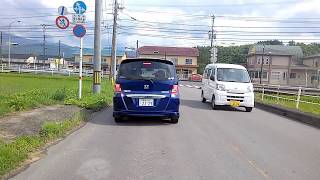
{"x": 235, "y": 103}
{"x": 145, "y": 102}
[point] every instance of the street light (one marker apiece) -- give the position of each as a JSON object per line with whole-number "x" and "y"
{"x": 9, "y": 44}
{"x": 262, "y": 64}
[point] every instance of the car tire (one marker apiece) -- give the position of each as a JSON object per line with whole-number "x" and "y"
{"x": 213, "y": 103}
{"x": 174, "y": 120}
{"x": 249, "y": 109}
{"x": 202, "y": 98}
{"x": 118, "y": 119}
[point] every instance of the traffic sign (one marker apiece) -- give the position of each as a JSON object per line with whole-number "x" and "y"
{"x": 62, "y": 22}
{"x": 79, "y": 30}
{"x": 62, "y": 10}
{"x": 78, "y": 19}
{"x": 79, "y": 7}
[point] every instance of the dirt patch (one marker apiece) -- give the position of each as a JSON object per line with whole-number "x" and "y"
{"x": 29, "y": 122}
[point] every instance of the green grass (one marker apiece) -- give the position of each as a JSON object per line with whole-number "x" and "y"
{"x": 24, "y": 91}
{"x": 304, "y": 107}
{"x": 14, "y": 153}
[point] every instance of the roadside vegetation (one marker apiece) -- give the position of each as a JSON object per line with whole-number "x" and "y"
{"x": 14, "y": 153}
{"x": 304, "y": 107}
{"x": 19, "y": 92}
{"x": 22, "y": 92}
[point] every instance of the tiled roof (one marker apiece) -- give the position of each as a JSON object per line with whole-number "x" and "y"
{"x": 277, "y": 50}
{"x": 169, "y": 51}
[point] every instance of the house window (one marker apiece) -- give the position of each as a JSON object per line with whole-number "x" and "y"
{"x": 284, "y": 75}
{"x": 90, "y": 59}
{"x": 188, "y": 61}
{"x": 266, "y": 61}
{"x": 275, "y": 75}
{"x": 251, "y": 61}
{"x": 317, "y": 64}
{"x": 293, "y": 75}
{"x": 155, "y": 52}
{"x": 259, "y": 60}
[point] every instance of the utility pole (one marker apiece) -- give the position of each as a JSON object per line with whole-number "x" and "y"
{"x": 263, "y": 46}
{"x": 1, "y": 47}
{"x": 96, "y": 88}
{"x": 137, "y": 48}
{"x": 44, "y": 43}
{"x": 114, "y": 41}
{"x": 59, "y": 49}
{"x": 212, "y": 48}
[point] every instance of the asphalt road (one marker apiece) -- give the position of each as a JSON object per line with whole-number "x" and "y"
{"x": 206, "y": 144}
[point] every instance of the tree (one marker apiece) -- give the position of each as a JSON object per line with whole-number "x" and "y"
{"x": 292, "y": 43}
{"x": 271, "y": 42}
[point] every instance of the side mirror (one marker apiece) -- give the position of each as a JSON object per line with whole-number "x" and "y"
{"x": 212, "y": 78}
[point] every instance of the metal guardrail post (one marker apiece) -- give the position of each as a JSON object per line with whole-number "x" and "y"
{"x": 298, "y": 98}
{"x": 262, "y": 96}
{"x": 1, "y": 67}
{"x": 69, "y": 74}
{"x": 278, "y": 93}
{"x": 19, "y": 69}
{"x": 51, "y": 72}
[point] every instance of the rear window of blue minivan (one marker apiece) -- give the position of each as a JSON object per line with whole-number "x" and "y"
{"x": 146, "y": 69}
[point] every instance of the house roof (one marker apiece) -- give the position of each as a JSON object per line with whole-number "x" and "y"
{"x": 104, "y": 52}
{"x": 169, "y": 51}
{"x": 295, "y": 51}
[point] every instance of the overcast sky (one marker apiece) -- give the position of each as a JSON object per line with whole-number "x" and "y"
{"x": 173, "y": 23}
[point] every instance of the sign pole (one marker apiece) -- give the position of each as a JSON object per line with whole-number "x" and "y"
{"x": 80, "y": 70}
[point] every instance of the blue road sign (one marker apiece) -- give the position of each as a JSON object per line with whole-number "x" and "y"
{"x": 79, "y": 30}
{"x": 79, "y": 7}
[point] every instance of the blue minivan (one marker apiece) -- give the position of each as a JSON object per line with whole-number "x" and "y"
{"x": 148, "y": 88}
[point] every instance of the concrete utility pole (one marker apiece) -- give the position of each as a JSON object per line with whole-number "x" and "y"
{"x": 59, "y": 51}
{"x": 96, "y": 87}
{"x": 261, "y": 68}
{"x": 213, "y": 52}
{"x": 114, "y": 41}
{"x": 9, "y": 44}
{"x": 44, "y": 43}
{"x": 1, "y": 47}
{"x": 137, "y": 48}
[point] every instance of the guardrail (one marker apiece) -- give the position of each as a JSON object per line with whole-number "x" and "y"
{"x": 297, "y": 95}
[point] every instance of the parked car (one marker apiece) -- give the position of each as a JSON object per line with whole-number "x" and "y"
{"x": 146, "y": 87}
{"x": 195, "y": 77}
{"x": 227, "y": 84}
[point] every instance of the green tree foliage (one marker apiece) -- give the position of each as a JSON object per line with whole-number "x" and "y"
{"x": 309, "y": 49}
{"x": 271, "y": 42}
{"x": 231, "y": 54}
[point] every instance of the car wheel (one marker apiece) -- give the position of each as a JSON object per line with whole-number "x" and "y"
{"x": 213, "y": 103}
{"x": 174, "y": 120}
{"x": 118, "y": 119}
{"x": 202, "y": 98}
{"x": 249, "y": 109}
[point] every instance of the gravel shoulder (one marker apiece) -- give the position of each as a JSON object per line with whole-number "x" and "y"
{"x": 29, "y": 122}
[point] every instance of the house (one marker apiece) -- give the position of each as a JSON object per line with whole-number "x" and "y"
{"x": 313, "y": 65}
{"x": 281, "y": 65}
{"x": 27, "y": 60}
{"x": 184, "y": 58}
{"x": 87, "y": 58}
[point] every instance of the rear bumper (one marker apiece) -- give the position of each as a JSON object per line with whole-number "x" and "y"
{"x": 145, "y": 114}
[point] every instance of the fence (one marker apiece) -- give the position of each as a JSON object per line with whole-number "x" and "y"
{"x": 42, "y": 70}
{"x": 282, "y": 94}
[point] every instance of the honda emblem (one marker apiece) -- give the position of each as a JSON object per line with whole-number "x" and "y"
{"x": 146, "y": 86}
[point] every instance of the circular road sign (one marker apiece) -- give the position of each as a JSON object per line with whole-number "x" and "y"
{"x": 79, "y": 7}
{"x": 62, "y": 22}
{"x": 62, "y": 10}
{"x": 79, "y": 30}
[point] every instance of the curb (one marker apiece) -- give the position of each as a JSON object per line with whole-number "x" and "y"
{"x": 293, "y": 114}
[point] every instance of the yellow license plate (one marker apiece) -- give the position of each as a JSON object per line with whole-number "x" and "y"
{"x": 235, "y": 103}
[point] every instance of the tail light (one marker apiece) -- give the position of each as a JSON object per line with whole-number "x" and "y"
{"x": 117, "y": 88}
{"x": 175, "y": 90}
